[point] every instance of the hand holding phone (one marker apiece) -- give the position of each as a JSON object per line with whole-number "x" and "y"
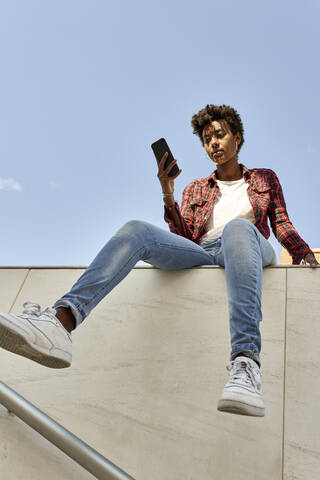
{"x": 168, "y": 168}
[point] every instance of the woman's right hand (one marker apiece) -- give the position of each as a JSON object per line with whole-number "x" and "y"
{"x": 167, "y": 183}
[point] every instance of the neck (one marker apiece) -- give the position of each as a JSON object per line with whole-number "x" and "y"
{"x": 229, "y": 171}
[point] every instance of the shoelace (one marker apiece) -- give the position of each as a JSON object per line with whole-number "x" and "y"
{"x": 31, "y": 308}
{"x": 243, "y": 371}
{"x": 34, "y": 309}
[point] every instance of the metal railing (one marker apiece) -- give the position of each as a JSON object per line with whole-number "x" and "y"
{"x": 62, "y": 438}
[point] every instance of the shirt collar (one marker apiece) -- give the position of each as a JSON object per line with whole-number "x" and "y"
{"x": 212, "y": 179}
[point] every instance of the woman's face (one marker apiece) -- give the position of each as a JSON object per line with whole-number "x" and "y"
{"x": 220, "y": 143}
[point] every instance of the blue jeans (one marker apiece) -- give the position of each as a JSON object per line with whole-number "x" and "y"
{"x": 242, "y": 250}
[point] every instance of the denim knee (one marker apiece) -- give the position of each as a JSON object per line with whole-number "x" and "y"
{"x": 236, "y": 236}
{"x": 135, "y": 232}
{"x": 236, "y": 225}
{"x": 134, "y": 228}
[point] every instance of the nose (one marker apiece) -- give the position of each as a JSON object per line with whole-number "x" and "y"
{"x": 214, "y": 143}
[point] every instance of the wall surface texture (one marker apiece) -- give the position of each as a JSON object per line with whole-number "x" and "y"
{"x": 149, "y": 366}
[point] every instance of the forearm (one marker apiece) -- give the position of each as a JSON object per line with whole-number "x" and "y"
{"x": 281, "y": 225}
{"x": 289, "y": 238}
{"x": 172, "y": 213}
{"x": 180, "y": 220}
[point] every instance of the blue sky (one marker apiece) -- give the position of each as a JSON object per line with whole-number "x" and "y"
{"x": 88, "y": 85}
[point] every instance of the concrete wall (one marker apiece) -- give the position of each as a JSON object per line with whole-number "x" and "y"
{"x": 149, "y": 366}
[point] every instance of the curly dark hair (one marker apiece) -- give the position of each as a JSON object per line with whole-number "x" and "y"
{"x": 217, "y": 112}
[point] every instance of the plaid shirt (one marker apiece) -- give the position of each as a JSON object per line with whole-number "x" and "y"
{"x": 266, "y": 197}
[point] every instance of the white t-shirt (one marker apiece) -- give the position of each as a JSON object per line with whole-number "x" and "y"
{"x": 233, "y": 203}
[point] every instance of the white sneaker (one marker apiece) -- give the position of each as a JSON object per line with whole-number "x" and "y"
{"x": 37, "y": 335}
{"x": 242, "y": 394}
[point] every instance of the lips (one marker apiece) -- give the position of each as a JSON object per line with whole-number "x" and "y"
{"x": 218, "y": 152}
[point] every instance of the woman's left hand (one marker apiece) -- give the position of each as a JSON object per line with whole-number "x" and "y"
{"x": 311, "y": 259}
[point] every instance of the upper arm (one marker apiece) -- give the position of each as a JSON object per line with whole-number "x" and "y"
{"x": 277, "y": 210}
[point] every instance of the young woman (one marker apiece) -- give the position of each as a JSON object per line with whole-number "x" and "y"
{"x": 222, "y": 221}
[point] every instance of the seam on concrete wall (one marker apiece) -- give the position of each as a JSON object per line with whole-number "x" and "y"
{"x": 284, "y": 372}
{"x": 21, "y": 287}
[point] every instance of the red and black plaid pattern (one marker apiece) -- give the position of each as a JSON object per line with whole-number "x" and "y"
{"x": 266, "y": 197}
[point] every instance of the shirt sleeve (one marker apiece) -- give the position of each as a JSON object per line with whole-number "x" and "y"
{"x": 186, "y": 214}
{"x": 281, "y": 225}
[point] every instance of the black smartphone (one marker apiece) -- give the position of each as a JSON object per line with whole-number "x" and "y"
{"x": 160, "y": 147}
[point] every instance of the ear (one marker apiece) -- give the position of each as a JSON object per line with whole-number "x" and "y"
{"x": 238, "y": 137}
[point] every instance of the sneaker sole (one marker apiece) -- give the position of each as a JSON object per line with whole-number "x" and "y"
{"x": 240, "y": 408}
{"x": 15, "y": 342}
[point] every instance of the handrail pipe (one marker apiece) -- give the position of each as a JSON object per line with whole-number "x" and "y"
{"x": 62, "y": 438}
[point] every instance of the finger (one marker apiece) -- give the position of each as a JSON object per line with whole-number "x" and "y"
{"x": 163, "y": 159}
{"x": 167, "y": 170}
{"x": 310, "y": 262}
{"x": 176, "y": 175}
